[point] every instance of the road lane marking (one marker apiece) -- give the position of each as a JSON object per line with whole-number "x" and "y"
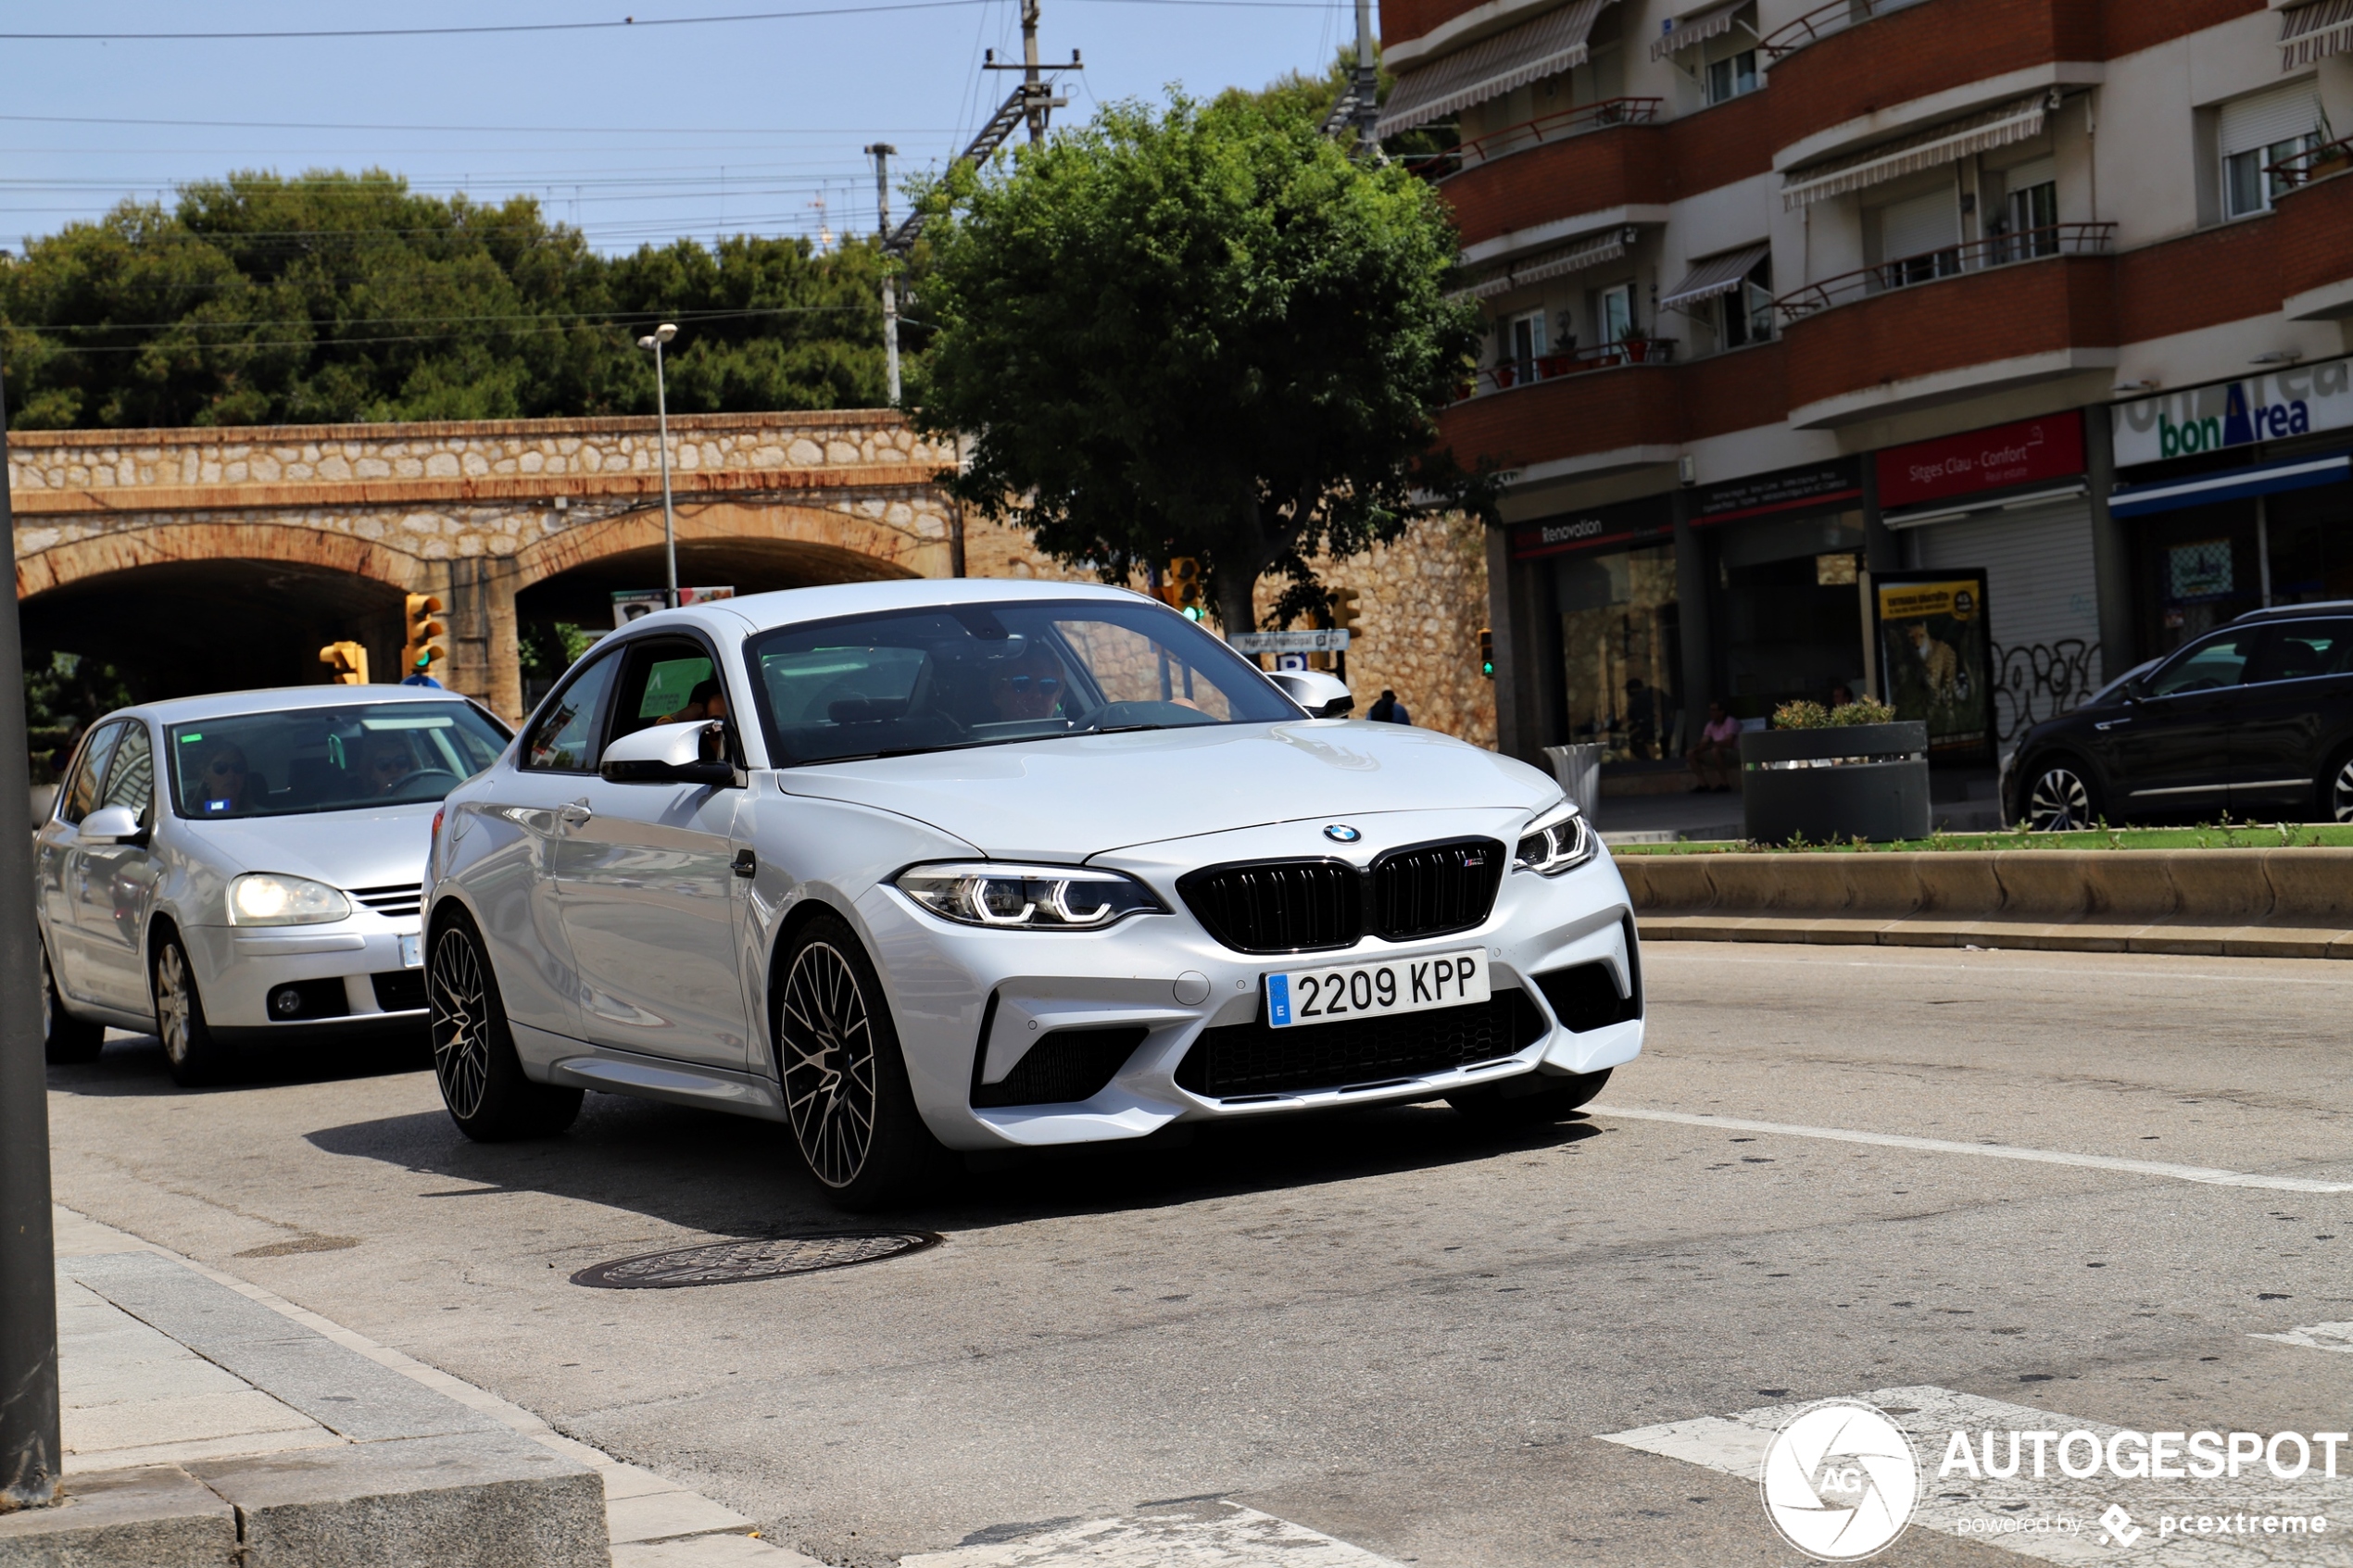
{"x": 2205, "y": 1175}
{"x": 2315, "y": 1336}
{"x": 1994, "y": 1512}
{"x": 2010, "y": 969}
{"x": 1215, "y": 1534}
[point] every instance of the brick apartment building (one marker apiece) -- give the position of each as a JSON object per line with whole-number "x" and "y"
{"x": 1801, "y": 315}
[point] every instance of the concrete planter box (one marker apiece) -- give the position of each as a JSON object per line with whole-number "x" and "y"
{"x": 1866, "y": 780}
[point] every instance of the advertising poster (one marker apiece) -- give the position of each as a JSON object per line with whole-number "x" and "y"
{"x": 1936, "y": 659}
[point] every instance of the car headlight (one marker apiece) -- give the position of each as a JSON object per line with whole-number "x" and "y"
{"x": 1560, "y": 840}
{"x": 265, "y": 898}
{"x": 1027, "y": 898}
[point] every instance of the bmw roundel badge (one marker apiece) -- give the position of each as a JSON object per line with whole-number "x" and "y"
{"x": 1341, "y": 832}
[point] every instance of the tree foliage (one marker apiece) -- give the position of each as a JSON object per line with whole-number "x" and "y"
{"x": 1203, "y": 331}
{"x": 339, "y": 297}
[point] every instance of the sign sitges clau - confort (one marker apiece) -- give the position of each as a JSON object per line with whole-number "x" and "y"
{"x": 2293, "y": 400}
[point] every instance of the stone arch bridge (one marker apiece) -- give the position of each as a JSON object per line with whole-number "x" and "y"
{"x": 212, "y": 558}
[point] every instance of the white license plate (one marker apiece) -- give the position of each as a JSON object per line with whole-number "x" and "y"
{"x": 1372, "y": 990}
{"x": 412, "y": 952}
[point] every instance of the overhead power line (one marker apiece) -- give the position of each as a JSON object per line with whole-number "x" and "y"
{"x": 598, "y": 25}
{"x": 501, "y": 130}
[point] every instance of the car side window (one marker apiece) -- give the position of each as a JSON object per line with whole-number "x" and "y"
{"x": 564, "y": 741}
{"x": 2207, "y": 666}
{"x": 2302, "y": 649}
{"x": 80, "y": 796}
{"x": 130, "y": 780}
{"x": 666, "y": 682}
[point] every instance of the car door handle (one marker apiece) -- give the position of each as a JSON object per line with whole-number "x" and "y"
{"x": 574, "y": 815}
{"x": 2106, "y": 724}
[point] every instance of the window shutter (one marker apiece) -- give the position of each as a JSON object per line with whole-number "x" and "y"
{"x": 2260, "y": 120}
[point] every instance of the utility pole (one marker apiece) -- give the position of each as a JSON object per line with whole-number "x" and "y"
{"x": 1029, "y": 83}
{"x": 31, "y": 1446}
{"x": 1031, "y": 103}
{"x": 881, "y": 152}
{"x": 1367, "y": 81}
{"x": 654, "y": 341}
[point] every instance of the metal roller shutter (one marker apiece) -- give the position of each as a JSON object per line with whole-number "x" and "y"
{"x": 2040, "y": 592}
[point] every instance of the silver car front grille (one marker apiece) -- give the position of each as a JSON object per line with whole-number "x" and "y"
{"x": 392, "y": 902}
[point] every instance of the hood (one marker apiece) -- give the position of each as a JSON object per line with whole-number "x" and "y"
{"x": 362, "y": 848}
{"x": 1066, "y": 799}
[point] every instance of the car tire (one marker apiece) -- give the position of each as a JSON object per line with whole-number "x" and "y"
{"x": 190, "y": 1054}
{"x": 2333, "y": 790}
{"x": 64, "y": 1038}
{"x": 844, "y": 1080}
{"x": 483, "y": 1083}
{"x": 2058, "y": 795}
{"x": 1496, "y": 1106}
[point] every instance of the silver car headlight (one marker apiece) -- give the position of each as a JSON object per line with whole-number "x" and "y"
{"x": 268, "y": 898}
{"x": 1016, "y": 897}
{"x": 1558, "y": 841}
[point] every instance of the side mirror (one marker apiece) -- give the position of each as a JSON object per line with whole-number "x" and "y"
{"x": 694, "y": 753}
{"x": 1323, "y": 696}
{"x": 2135, "y": 690}
{"x": 113, "y": 824}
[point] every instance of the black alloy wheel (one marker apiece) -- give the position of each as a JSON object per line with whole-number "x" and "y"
{"x": 190, "y": 1053}
{"x": 844, "y": 1081}
{"x": 2061, "y": 800}
{"x": 2337, "y": 790}
{"x": 483, "y": 1082}
{"x": 64, "y": 1038}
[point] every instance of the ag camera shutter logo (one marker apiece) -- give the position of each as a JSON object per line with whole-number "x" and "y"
{"x": 1841, "y": 1480}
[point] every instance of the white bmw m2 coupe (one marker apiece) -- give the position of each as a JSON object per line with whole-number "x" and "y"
{"x": 987, "y": 865}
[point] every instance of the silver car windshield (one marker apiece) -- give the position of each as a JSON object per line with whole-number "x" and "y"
{"x": 962, "y": 675}
{"x": 308, "y": 759}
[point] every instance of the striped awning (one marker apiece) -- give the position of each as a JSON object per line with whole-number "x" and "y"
{"x": 1948, "y": 142}
{"x": 2310, "y": 34}
{"x": 1679, "y": 34}
{"x": 1547, "y": 264}
{"x": 1555, "y": 42}
{"x": 1718, "y": 274}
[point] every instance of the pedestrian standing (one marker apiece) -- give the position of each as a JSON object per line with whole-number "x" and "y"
{"x": 1388, "y": 710}
{"x": 1717, "y": 756}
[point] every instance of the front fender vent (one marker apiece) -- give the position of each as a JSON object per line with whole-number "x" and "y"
{"x": 1063, "y": 1068}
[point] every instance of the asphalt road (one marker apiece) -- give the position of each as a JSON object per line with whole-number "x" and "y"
{"x": 1386, "y": 1326}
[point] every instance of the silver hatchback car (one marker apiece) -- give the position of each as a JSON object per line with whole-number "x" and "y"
{"x": 221, "y": 869}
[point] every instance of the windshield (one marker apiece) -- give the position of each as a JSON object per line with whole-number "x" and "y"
{"x": 933, "y": 680}
{"x": 328, "y": 759}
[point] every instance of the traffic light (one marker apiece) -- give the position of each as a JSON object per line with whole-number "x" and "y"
{"x": 1181, "y": 586}
{"x": 1487, "y": 653}
{"x": 348, "y": 660}
{"x": 428, "y": 635}
{"x": 1344, "y": 609}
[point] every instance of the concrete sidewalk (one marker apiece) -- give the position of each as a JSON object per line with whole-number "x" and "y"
{"x": 208, "y": 1422}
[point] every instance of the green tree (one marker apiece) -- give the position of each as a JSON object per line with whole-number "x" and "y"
{"x": 1202, "y": 331}
{"x": 337, "y": 298}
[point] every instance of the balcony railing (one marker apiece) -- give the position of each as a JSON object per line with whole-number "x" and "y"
{"x": 1528, "y": 133}
{"x": 1510, "y": 374}
{"x": 1823, "y": 20}
{"x": 1908, "y": 271}
{"x": 2312, "y": 163}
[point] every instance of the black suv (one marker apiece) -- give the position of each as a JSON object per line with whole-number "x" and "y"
{"x": 2255, "y": 720}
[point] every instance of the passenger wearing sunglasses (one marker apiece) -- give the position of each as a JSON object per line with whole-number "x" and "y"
{"x": 385, "y": 764}
{"x": 223, "y": 788}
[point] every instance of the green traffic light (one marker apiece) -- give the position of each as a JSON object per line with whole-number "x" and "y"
{"x": 1192, "y": 612}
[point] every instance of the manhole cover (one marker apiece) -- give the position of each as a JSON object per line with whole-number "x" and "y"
{"x": 730, "y": 1262}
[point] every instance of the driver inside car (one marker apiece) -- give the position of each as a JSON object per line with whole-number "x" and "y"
{"x": 1029, "y": 687}
{"x": 384, "y": 765}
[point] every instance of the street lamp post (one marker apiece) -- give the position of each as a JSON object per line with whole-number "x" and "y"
{"x": 654, "y": 340}
{"x": 31, "y": 1445}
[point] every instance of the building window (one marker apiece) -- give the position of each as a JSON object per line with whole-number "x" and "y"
{"x": 1919, "y": 240}
{"x": 1616, "y": 314}
{"x": 1747, "y": 311}
{"x": 2029, "y": 224}
{"x": 2258, "y": 131}
{"x": 1730, "y": 77}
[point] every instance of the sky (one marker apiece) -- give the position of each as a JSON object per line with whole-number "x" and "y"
{"x": 662, "y": 127}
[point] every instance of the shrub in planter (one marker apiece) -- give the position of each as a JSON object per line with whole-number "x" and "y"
{"x": 1832, "y": 778}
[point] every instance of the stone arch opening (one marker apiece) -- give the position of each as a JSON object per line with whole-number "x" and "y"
{"x": 176, "y": 628}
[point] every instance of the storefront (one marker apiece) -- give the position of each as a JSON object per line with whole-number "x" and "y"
{"x": 1784, "y": 556}
{"x": 2236, "y": 497}
{"x": 1596, "y": 592}
{"x": 2012, "y": 502}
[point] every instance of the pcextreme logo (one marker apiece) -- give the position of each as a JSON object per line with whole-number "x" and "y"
{"x": 1841, "y": 1480}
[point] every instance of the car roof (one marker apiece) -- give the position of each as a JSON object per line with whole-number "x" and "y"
{"x": 276, "y": 700}
{"x": 786, "y": 607}
{"x": 2288, "y": 612}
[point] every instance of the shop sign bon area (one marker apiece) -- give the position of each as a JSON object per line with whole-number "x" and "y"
{"x": 1983, "y": 459}
{"x": 2293, "y": 401}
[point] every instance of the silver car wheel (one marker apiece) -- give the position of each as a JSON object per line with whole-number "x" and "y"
{"x": 825, "y": 1035}
{"x": 2341, "y": 793}
{"x": 49, "y": 1007}
{"x": 460, "y": 1023}
{"x": 174, "y": 1002}
{"x": 2059, "y": 801}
